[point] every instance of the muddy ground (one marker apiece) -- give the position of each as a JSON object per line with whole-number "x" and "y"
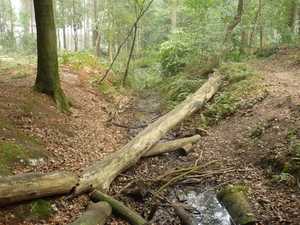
{"x": 245, "y": 148}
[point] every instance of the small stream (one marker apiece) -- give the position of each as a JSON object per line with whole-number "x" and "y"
{"x": 208, "y": 210}
{"x": 211, "y": 211}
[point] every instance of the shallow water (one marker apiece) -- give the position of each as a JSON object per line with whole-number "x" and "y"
{"x": 212, "y": 212}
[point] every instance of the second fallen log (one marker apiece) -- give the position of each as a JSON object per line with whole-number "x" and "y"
{"x": 171, "y": 146}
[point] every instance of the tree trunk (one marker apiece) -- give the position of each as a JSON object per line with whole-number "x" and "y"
{"x": 293, "y": 15}
{"x": 170, "y": 146}
{"x": 174, "y": 15}
{"x": 47, "y": 79}
{"x": 101, "y": 174}
{"x": 229, "y": 30}
{"x": 35, "y": 185}
{"x": 97, "y": 51}
{"x": 130, "y": 53}
{"x": 95, "y": 214}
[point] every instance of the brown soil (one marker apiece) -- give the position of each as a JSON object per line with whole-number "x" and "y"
{"x": 89, "y": 135}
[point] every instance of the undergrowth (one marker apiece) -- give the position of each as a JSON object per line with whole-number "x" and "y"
{"x": 175, "y": 89}
{"x": 240, "y": 87}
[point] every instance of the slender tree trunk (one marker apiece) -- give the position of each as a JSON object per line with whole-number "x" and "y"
{"x": 174, "y": 15}
{"x": 31, "y": 20}
{"x": 75, "y": 37}
{"x": 130, "y": 53}
{"x": 95, "y": 30}
{"x": 229, "y": 30}
{"x": 47, "y": 79}
{"x": 245, "y": 34}
{"x": 97, "y": 51}
{"x": 293, "y": 15}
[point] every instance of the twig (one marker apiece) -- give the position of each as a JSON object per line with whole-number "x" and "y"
{"x": 184, "y": 174}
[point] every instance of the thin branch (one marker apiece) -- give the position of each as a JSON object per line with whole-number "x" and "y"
{"x": 119, "y": 49}
{"x": 184, "y": 174}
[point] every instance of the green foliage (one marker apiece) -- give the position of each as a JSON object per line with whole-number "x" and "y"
{"x": 283, "y": 179}
{"x": 265, "y": 52}
{"x": 294, "y": 139}
{"x": 77, "y": 60}
{"x": 239, "y": 82}
{"x": 41, "y": 208}
{"x": 256, "y": 130}
{"x": 107, "y": 88}
{"x": 177, "y": 88}
{"x": 10, "y": 153}
{"x": 22, "y": 74}
{"x": 225, "y": 105}
{"x": 172, "y": 57}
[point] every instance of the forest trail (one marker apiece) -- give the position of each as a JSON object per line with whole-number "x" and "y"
{"x": 70, "y": 143}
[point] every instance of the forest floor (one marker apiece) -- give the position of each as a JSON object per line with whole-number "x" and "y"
{"x": 103, "y": 123}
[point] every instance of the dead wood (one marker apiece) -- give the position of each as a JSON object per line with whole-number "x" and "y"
{"x": 185, "y": 150}
{"x": 101, "y": 174}
{"x": 119, "y": 208}
{"x": 182, "y": 175}
{"x": 95, "y": 214}
{"x": 185, "y": 217}
{"x": 23, "y": 187}
{"x": 171, "y": 145}
{"x": 234, "y": 199}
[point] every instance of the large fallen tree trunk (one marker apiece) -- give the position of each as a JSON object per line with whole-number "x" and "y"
{"x": 101, "y": 174}
{"x": 28, "y": 186}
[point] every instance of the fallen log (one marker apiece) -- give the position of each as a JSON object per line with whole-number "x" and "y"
{"x": 28, "y": 186}
{"x": 234, "y": 199}
{"x": 95, "y": 214}
{"x": 171, "y": 146}
{"x": 101, "y": 174}
{"x": 185, "y": 217}
{"x": 185, "y": 150}
{"x": 119, "y": 208}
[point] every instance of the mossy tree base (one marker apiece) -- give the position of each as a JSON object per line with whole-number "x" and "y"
{"x": 47, "y": 79}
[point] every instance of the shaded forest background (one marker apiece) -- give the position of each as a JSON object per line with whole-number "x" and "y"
{"x": 172, "y": 37}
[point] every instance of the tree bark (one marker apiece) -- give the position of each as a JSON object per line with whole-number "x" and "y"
{"x": 171, "y": 146}
{"x": 185, "y": 217}
{"x": 47, "y": 79}
{"x": 234, "y": 199}
{"x": 35, "y": 185}
{"x": 95, "y": 214}
{"x": 97, "y": 50}
{"x": 229, "y": 30}
{"x": 101, "y": 174}
{"x": 119, "y": 208}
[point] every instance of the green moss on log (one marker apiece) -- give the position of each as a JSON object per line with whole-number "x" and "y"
{"x": 234, "y": 199}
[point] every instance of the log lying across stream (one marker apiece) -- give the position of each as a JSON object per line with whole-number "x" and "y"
{"x": 101, "y": 174}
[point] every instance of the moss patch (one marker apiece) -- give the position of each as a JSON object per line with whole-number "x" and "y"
{"x": 235, "y": 201}
{"x": 11, "y": 153}
{"x": 41, "y": 208}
